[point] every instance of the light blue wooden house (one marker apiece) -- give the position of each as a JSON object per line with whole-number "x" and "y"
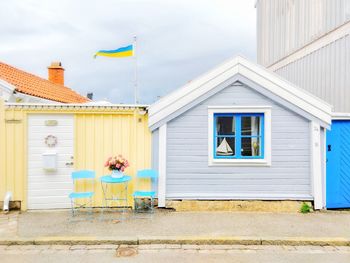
{"x": 240, "y": 132}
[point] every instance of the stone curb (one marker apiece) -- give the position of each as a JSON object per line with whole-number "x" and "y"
{"x": 69, "y": 241}
{"x": 193, "y": 240}
{"x": 179, "y": 240}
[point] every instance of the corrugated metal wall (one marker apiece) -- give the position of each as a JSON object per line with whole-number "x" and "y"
{"x": 98, "y": 134}
{"x": 284, "y": 26}
{"x": 325, "y": 73}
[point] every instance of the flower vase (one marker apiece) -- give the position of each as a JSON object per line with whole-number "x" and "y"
{"x": 117, "y": 174}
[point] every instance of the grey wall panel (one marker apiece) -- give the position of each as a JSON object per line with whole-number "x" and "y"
{"x": 325, "y": 73}
{"x": 187, "y": 154}
{"x": 284, "y": 26}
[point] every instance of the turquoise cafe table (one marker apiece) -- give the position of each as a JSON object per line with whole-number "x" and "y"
{"x": 107, "y": 183}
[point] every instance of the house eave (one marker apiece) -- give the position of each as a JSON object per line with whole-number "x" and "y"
{"x": 174, "y": 102}
{"x": 7, "y": 87}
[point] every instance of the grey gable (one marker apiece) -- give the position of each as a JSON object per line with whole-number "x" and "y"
{"x": 237, "y": 80}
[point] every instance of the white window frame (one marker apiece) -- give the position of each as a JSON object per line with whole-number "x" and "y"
{"x": 266, "y": 110}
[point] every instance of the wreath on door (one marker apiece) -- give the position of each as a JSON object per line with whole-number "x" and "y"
{"x": 51, "y": 141}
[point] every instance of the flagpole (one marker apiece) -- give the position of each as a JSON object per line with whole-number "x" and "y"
{"x": 136, "y": 101}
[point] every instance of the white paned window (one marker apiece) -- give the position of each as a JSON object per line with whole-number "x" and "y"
{"x": 239, "y": 135}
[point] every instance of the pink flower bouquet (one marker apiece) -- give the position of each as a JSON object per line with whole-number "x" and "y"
{"x": 117, "y": 163}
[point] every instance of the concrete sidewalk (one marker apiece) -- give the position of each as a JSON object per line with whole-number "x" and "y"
{"x": 55, "y": 227}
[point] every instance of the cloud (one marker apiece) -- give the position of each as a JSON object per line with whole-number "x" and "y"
{"x": 177, "y": 41}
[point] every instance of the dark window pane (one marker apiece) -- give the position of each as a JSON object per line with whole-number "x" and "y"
{"x": 251, "y": 146}
{"x": 225, "y": 125}
{"x": 250, "y": 125}
{"x": 225, "y": 146}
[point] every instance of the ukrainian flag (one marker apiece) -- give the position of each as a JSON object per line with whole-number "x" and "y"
{"x": 127, "y": 51}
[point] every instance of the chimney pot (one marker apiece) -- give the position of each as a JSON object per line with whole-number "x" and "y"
{"x": 56, "y": 73}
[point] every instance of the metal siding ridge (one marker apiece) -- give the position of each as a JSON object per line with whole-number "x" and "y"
{"x": 322, "y": 41}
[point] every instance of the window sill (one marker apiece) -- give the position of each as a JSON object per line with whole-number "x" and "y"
{"x": 239, "y": 162}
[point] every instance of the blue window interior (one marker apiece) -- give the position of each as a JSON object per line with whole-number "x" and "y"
{"x": 238, "y": 135}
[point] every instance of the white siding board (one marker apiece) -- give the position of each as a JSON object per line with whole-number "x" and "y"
{"x": 188, "y": 173}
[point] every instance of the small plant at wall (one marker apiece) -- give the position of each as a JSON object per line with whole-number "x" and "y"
{"x": 305, "y": 208}
{"x": 118, "y": 163}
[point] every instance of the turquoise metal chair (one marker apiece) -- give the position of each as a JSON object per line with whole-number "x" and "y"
{"x": 147, "y": 174}
{"x": 80, "y": 176}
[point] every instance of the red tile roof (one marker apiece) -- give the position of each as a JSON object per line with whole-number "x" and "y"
{"x": 35, "y": 86}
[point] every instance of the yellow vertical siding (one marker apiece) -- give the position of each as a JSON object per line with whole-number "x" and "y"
{"x": 2, "y": 150}
{"x": 13, "y": 155}
{"x": 98, "y": 134}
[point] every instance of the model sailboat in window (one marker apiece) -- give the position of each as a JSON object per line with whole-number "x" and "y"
{"x": 224, "y": 148}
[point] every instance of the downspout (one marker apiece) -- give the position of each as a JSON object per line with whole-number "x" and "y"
{"x": 8, "y": 197}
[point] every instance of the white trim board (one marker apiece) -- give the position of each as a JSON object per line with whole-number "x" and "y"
{"x": 340, "y": 116}
{"x": 241, "y": 68}
{"x": 317, "y": 44}
{"x": 316, "y": 165}
{"x": 162, "y": 165}
{"x": 238, "y": 196}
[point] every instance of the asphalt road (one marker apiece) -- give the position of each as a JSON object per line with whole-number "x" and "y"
{"x": 260, "y": 254}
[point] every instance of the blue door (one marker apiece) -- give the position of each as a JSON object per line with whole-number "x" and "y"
{"x": 338, "y": 165}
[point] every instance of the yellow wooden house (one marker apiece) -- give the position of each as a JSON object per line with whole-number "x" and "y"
{"x": 85, "y": 136}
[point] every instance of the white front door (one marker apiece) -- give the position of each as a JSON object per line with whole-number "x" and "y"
{"x": 50, "y": 160}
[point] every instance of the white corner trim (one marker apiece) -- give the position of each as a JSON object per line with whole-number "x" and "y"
{"x": 162, "y": 165}
{"x": 324, "y": 165}
{"x": 316, "y": 165}
{"x": 317, "y": 44}
{"x": 266, "y": 110}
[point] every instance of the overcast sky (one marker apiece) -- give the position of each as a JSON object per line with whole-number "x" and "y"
{"x": 177, "y": 41}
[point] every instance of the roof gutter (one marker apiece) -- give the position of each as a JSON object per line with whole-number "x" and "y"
{"x": 77, "y": 105}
